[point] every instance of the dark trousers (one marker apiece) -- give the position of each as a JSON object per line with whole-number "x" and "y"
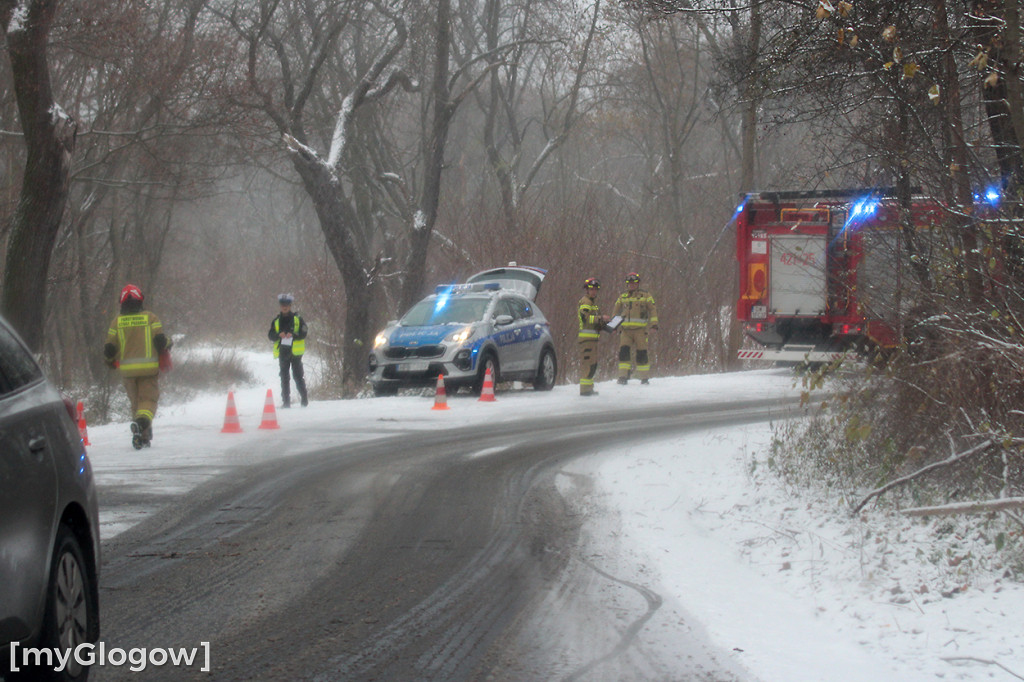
{"x": 294, "y": 362}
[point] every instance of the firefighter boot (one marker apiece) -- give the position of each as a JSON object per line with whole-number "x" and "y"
{"x": 137, "y": 441}
{"x": 145, "y": 425}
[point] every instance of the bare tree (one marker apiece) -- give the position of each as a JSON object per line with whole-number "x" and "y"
{"x": 304, "y": 44}
{"x": 50, "y": 142}
{"x": 523, "y": 50}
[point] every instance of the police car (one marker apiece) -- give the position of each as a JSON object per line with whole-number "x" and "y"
{"x": 490, "y": 321}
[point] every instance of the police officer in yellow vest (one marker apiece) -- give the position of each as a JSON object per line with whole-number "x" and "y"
{"x": 288, "y": 332}
{"x": 591, "y": 323}
{"x": 639, "y": 314}
{"x": 137, "y": 346}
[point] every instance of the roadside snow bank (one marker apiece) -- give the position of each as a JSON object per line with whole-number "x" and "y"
{"x": 797, "y": 588}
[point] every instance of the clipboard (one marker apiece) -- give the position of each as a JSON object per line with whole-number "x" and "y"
{"x": 613, "y": 323}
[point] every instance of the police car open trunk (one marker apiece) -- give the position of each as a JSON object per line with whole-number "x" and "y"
{"x": 519, "y": 278}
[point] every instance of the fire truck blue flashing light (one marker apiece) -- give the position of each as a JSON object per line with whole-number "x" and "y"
{"x": 993, "y": 195}
{"x": 861, "y": 210}
{"x": 736, "y": 213}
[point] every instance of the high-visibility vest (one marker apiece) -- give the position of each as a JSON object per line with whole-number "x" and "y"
{"x": 298, "y": 345}
{"x": 133, "y": 335}
{"x": 590, "y": 319}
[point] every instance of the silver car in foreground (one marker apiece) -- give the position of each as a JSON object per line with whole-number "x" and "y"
{"x": 49, "y": 529}
{"x": 491, "y": 321}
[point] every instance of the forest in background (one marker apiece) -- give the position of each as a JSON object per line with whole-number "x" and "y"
{"x": 358, "y": 152}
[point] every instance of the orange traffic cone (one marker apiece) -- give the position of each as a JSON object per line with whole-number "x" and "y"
{"x": 487, "y": 392}
{"x": 440, "y": 395}
{"x": 269, "y": 413}
{"x": 231, "y": 424}
{"x": 82, "y": 431}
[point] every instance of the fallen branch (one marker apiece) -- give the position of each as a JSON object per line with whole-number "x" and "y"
{"x": 968, "y": 507}
{"x": 955, "y": 659}
{"x": 952, "y": 459}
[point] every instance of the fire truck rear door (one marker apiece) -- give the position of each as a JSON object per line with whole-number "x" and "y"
{"x": 797, "y": 283}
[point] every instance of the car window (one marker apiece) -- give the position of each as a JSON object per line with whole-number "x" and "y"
{"x": 445, "y": 310}
{"x": 17, "y": 368}
{"x": 521, "y": 308}
{"x": 502, "y": 307}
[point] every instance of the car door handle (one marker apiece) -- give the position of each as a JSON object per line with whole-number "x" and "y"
{"x": 37, "y": 444}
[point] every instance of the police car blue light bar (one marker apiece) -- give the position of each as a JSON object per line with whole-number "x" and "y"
{"x": 442, "y": 289}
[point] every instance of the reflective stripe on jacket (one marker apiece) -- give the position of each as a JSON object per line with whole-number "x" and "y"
{"x": 133, "y": 336}
{"x": 637, "y": 309}
{"x": 298, "y": 335}
{"x": 590, "y": 319}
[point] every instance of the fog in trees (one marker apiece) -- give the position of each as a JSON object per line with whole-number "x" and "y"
{"x": 358, "y": 153}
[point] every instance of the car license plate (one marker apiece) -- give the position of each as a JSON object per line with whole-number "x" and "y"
{"x": 420, "y": 366}
{"x": 759, "y": 312}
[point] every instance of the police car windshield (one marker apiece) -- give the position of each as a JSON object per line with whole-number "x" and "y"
{"x": 445, "y": 309}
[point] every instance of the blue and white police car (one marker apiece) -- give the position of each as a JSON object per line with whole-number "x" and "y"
{"x": 462, "y": 329}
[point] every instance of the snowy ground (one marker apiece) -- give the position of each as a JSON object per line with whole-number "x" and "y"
{"x": 784, "y": 578}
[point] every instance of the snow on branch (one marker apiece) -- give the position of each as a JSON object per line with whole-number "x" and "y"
{"x": 341, "y": 127}
{"x": 952, "y": 459}
{"x": 303, "y": 150}
{"x": 19, "y": 18}
{"x": 984, "y": 661}
{"x": 978, "y": 507}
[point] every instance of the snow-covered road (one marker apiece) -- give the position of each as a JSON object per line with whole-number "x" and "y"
{"x": 781, "y": 577}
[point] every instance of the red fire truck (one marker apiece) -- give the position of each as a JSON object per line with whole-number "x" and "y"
{"x": 823, "y": 273}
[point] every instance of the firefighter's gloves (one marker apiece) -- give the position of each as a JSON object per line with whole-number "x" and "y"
{"x": 110, "y": 355}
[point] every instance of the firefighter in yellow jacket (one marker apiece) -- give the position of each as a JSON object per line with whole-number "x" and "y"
{"x": 638, "y": 312}
{"x": 137, "y": 346}
{"x": 591, "y": 323}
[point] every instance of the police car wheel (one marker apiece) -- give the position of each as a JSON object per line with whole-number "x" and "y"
{"x": 382, "y": 390}
{"x": 547, "y": 371}
{"x": 488, "y": 360}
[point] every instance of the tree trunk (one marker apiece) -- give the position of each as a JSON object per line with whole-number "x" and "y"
{"x": 435, "y": 142}
{"x": 748, "y": 162}
{"x": 964, "y": 197}
{"x": 49, "y": 142}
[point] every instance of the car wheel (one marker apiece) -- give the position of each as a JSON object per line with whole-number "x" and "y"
{"x": 72, "y": 615}
{"x": 383, "y": 390}
{"x": 547, "y": 371}
{"x": 489, "y": 360}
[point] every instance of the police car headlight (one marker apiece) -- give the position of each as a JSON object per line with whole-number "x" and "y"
{"x": 380, "y": 340}
{"x": 460, "y": 336}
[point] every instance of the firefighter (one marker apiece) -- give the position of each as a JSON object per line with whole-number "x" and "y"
{"x": 137, "y": 346}
{"x": 288, "y": 332}
{"x": 591, "y": 323}
{"x": 638, "y": 312}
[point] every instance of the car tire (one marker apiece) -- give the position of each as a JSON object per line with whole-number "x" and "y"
{"x": 384, "y": 390}
{"x": 547, "y": 371}
{"x": 72, "y": 614}
{"x": 488, "y": 360}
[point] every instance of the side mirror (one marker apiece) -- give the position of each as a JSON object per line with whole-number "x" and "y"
{"x": 502, "y": 320}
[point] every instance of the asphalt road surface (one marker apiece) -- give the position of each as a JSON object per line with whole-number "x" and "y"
{"x": 447, "y": 555}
